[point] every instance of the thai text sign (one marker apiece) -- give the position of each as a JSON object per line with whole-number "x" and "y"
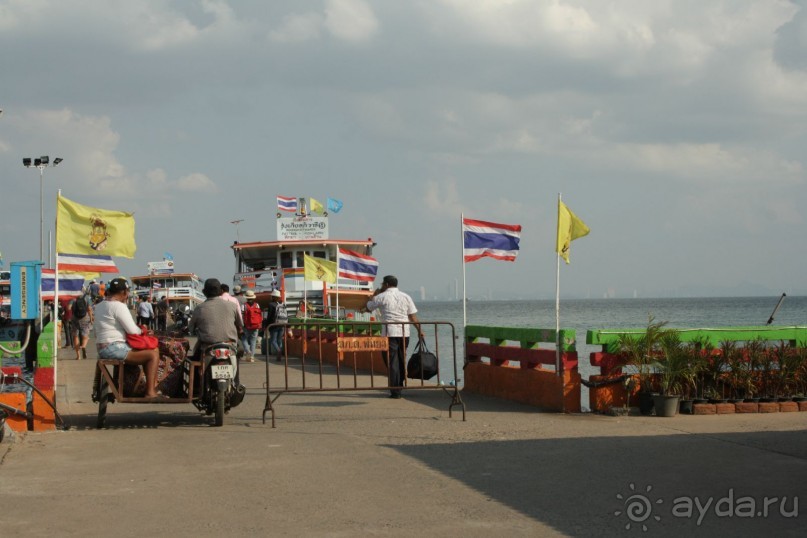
{"x": 164, "y": 267}
{"x": 298, "y": 228}
{"x": 361, "y": 343}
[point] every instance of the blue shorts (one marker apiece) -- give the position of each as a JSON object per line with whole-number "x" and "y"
{"x": 113, "y": 350}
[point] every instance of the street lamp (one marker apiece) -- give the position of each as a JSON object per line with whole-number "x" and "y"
{"x": 41, "y": 163}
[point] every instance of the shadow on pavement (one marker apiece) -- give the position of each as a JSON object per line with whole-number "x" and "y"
{"x": 621, "y": 485}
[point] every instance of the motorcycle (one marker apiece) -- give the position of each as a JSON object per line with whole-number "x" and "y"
{"x": 182, "y": 317}
{"x": 220, "y": 390}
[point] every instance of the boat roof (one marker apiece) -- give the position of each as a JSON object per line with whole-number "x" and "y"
{"x": 167, "y": 275}
{"x": 262, "y": 249}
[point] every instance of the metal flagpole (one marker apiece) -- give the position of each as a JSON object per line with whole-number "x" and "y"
{"x": 462, "y": 258}
{"x": 337, "y": 284}
{"x": 557, "y": 302}
{"x": 55, "y": 315}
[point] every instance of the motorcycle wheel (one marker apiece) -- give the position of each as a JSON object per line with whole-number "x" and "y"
{"x": 220, "y": 397}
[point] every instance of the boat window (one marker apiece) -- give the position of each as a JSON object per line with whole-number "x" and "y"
{"x": 285, "y": 260}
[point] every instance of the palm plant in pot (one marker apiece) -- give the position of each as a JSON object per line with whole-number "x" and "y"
{"x": 800, "y": 375}
{"x": 672, "y": 366}
{"x": 639, "y": 350}
{"x": 691, "y": 375}
{"x": 734, "y": 361}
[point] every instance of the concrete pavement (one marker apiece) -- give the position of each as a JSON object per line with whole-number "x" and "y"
{"x": 348, "y": 464}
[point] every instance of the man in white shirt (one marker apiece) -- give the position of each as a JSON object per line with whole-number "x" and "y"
{"x": 398, "y": 311}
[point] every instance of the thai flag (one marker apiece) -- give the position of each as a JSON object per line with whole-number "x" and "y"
{"x": 70, "y": 285}
{"x": 357, "y": 266}
{"x": 86, "y": 263}
{"x": 284, "y": 203}
{"x": 488, "y": 239}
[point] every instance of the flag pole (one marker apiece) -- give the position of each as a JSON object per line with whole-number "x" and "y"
{"x": 337, "y": 286}
{"x": 557, "y": 303}
{"x": 56, "y": 332}
{"x": 462, "y": 258}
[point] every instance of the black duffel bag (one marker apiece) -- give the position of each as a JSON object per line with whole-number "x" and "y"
{"x": 423, "y": 363}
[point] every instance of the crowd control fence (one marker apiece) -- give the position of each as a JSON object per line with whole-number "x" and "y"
{"x": 348, "y": 356}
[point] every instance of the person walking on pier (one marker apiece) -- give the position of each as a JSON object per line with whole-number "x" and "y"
{"x": 276, "y": 315}
{"x": 144, "y": 311}
{"x": 397, "y": 312}
{"x": 253, "y": 320}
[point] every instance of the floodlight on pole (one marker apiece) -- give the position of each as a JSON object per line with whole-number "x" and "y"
{"x": 237, "y": 222}
{"x": 41, "y": 163}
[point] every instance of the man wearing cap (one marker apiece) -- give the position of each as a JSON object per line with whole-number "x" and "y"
{"x": 276, "y": 319}
{"x": 215, "y": 320}
{"x": 238, "y": 293}
{"x": 397, "y": 312}
{"x": 253, "y": 320}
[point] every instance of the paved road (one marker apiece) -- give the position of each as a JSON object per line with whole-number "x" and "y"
{"x": 352, "y": 464}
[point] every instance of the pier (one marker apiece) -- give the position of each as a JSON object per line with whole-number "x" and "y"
{"x": 347, "y": 464}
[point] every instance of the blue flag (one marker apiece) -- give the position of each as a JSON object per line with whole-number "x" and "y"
{"x": 334, "y": 205}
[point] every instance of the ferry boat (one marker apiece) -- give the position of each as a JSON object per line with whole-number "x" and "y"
{"x": 279, "y": 265}
{"x": 180, "y": 288}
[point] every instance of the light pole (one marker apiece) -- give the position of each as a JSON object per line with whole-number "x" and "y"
{"x": 41, "y": 163}
{"x": 237, "y": 222}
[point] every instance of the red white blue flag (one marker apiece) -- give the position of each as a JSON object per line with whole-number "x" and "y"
{"x": 357, "y": 266}
{"x": 285, "y": 203}
{"x": 70, "y": 285}
{"x": 86, "y": 263}
{"x": 488, "y": 239}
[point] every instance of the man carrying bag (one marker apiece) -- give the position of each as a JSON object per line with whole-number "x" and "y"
{"x": 397, "y": 312}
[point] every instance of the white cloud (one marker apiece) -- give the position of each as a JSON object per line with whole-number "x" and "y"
{"x": 298, "y": 28}
{"x": 196, "y": 182}
{"x": 346, "y": 20}
{"x": 350, "y": 20}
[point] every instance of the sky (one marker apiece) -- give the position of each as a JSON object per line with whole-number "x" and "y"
{"x": 674, "y": 129}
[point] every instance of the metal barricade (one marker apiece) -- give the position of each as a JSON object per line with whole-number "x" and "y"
{"x": 329, "y": 351}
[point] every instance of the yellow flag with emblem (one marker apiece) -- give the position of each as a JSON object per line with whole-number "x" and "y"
{"x": 316, "y": 206}
{"x": 569, "y": 228}
{"x": 82, "y": 229}
{"x": 319, "y": 269}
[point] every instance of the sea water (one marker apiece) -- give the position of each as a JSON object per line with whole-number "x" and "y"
{"x": 582, "y": 315}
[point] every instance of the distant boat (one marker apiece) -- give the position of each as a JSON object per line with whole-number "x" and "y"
{"x": 279, "y": 265}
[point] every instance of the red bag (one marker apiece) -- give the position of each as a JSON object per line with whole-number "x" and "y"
{"x": 142, "y": 341}
{"x": 253, "y": 317}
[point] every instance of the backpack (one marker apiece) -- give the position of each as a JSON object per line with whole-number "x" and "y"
{"x": 282, "y": 316}
{"x": 252, "y": 317}
{"x": 80, "y": 308}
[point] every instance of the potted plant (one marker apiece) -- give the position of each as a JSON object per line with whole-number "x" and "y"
{"x": 690, "y": 376}
{"x": 734, "y": 361}
{"x": 800, "y": 375}
{"x": 639, "y": 351}
{"x": 700, "y": 350}
{"x": 767, "y": 374}
{"x": 671, "y": 365}
{"x": 755, "y": 350}
{"x": 716, "y": 375}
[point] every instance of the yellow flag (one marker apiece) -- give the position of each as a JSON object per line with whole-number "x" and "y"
{"x": 319, "y": 269}
{"x": 316, "y": 206}
{"x": 569, "y": 228}
{"x": 81, "y": 229}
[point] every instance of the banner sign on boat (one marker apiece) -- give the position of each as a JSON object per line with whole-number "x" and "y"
{"x": 299, "y": 228}
{"x": 165, "y": 267}
{"x": 361, "y": 343}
